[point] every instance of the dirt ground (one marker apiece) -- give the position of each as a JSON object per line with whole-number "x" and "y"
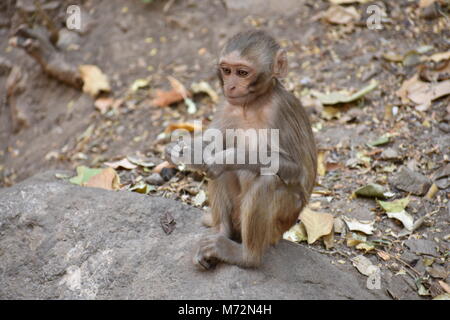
{"x": 61, "y": 128}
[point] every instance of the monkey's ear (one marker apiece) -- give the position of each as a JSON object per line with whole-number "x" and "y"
{"x": 280, "y": 68}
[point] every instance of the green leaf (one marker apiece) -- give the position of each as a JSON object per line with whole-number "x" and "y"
{"x": 84, "y": 174}
{"x": 373, "y": 190}
{"x": 337, "y": 97}
{"x": 394, "y": 206}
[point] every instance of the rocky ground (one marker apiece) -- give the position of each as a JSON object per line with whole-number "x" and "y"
{"x": 393, "y": 134}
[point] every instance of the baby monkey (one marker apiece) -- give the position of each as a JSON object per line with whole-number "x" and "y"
{"x": 250, "y": 210}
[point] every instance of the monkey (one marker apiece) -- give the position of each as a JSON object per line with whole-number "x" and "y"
{"x": 251, "y": 211}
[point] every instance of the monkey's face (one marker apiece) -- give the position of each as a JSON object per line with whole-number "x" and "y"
{"x": 240, "y": 79}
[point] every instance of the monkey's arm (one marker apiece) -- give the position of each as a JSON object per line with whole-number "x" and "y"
{"x": 281, "y": 165}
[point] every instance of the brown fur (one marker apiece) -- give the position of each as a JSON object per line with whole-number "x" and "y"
{"x": 251, "y": 211}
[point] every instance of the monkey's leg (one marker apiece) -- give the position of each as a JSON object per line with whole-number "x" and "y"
{"x": 267, "y": 210}
{"x": 224, "y": 200}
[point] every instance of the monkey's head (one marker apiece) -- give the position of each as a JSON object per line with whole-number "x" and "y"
{"x": 248, "y": 64}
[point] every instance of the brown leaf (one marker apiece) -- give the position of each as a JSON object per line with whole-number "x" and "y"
{"x": 162, "y": 165}
{"x": 167, "y": 223}
{"x": 191, "y": 127}
{"x": 166, "y": 98}
{"x": 341, "y": 15}
{"x": 107, "y": 179}
{"x": 317, "y": 224}
{"x": 94, "y": 80}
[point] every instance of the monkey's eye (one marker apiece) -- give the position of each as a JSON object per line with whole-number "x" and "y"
{"x": 226, "y": 70}
{"x": 242, "y": 73}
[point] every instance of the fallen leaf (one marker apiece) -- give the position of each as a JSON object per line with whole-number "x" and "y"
{"x": 383, "y": 255}
{"x": 316, "y": 224}
{"x": 380, "y": 141}
{"x": 338, "y": 97}
{"x": 138, "y": 84}
{"x": 124, "y": 163}
{"x": 425, "y": 3}
{"x": 438, "y": 57}
{"x": 141, "y": 162}
{"x": 142, "y": 187}
{"x": 328, "y": 240}
{"x": 191, "y": 127}
{"x": 162, "y": 165}
{"x": 166, "y": 98}
{"x": 84, "y": 174}
{"x": 167, "y": 223}
{"x": 203, "y": 86}
{"x": 103, "y": 104}
{"x": 432, "y": 191}
{"x": 296, "y": 234}
{"x": 199, "y": 199}
{"x": 106, "y": 179}
{"x": 373, "y": 190}
{"x": 364, "y": 265}
{"x": 365, "y": 246}
{"x": 422, "y": 93}
{"x": 396, "y": 209}
{"x": 341, "y": 15}
{"x": 444, "y": 286}
{"x": 348, "y": 1}
{"x": 94, "y": 80}
{"x": 321, "y": 170}
{"x": 354, "y": 239}
{"x": 366, "y": 227}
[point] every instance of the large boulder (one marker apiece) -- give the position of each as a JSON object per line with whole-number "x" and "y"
{"x": 62, "y": 241}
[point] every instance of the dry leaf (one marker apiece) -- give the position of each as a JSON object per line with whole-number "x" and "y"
{"x": 328, "y": 240}
{"x": 348, "y": 1}
{"x": 103, "y": 104}
{"x": 124, "y": 163}
{"x": 178, "y": 87}
{"x": 438, "y": 57}
{"x": 316, "y": 224}
{"x": 341, "y": 15}
{"x": 191, "y": 127}
{"x": 107, "y": 179}
{"x": 364, "y": 265}
{"x": 444, "y": 286}
{"x": 383, "y": 255}
{"x": 426, "y": 3}
{"x": 321, "y": 170}
{"x": 422, "y": 93}
{"x": 94, "y": 80}
{"x": 166, "y": 98}
{"x": 296, "y": 234}
{"x": 162, "y": 165}
{"x": 366, "y": 227}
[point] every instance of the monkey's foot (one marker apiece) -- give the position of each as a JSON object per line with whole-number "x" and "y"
{"x": 207, "y": 219}
{"x": 207, "y": 255}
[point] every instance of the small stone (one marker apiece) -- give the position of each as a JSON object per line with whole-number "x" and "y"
{"x": 390, "y": 154}
{"x": 422, "y": 246}
{"x": 155, "y": 179}
{"x": 410, "y": 181}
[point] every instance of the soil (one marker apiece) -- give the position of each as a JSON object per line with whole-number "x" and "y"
{"x": 130, "y": 40}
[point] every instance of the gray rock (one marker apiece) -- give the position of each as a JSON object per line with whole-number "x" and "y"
{"x": 442, "y": 177}
{"x": 155, "y": 179}
{"x": 62, "y": 241}
{"x": 390, "y": 154}
{"x": 422, "y": 246}
{"x": 410, "y": 181}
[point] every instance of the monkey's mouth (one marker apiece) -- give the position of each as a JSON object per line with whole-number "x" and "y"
{"x": 236, "y": 97}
